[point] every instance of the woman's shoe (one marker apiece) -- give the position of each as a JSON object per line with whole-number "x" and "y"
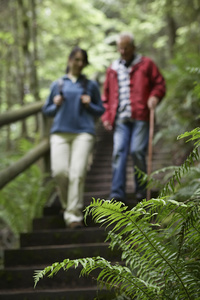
{"x": 74, "y": 225}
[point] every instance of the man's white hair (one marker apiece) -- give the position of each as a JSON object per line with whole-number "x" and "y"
{"x": 125, "y": 35}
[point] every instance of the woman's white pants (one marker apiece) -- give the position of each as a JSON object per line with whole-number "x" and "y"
{"x": 69, "y": 161}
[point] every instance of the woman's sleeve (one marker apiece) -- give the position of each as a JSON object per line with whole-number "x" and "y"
{"x": 96, "y": 106}
{"x": 49, "y": 109}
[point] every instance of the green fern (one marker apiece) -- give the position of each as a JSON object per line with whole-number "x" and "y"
{"x": 151, "y": 264}
{"x": 29, "y": 195}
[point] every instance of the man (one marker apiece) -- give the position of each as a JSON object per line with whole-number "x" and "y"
{"x": 132, "y": 87}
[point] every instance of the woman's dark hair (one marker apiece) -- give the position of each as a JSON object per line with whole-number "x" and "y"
{"x": 73, "y": 53}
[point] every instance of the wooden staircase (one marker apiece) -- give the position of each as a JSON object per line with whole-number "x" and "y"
{"x": 50, "y": 241}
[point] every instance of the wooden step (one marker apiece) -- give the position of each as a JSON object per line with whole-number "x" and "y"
{"x": 63, "y": 237}
{"x": 23, "y": 277}
{"x": 57, "y": 294}
{"x": 46, "y": 255}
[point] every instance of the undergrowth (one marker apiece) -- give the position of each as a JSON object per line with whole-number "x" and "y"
{"x": 22, "y": 199}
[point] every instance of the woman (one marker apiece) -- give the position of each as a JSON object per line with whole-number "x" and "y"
{"x": 74, "y": 102}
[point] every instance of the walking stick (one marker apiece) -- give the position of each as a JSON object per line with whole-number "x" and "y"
{"x": 150, "y": 148}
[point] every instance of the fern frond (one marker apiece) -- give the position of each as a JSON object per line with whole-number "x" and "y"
{"x": 169, "y": 188}
{"x": 111, "y": 276}
{"x": 139, "y": 236}
{"x": 195, "y": 133}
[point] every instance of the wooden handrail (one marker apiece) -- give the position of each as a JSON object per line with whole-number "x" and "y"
{"x": 22, "y": 164}
{"x": 22, "y": 113}
{"x": 39, "y": 151}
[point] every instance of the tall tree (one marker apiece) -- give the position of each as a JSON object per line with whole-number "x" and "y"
{"x": 34, "y": 74}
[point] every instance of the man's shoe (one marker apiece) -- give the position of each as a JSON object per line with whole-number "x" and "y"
{"x": 118, "y": 199}
{"x": 139, "y": 196}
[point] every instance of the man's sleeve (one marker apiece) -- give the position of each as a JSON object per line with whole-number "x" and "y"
{"x": 157, "y": 82}
{"x": 105, "y": 98}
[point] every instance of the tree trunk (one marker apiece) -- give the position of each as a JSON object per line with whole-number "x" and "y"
{"x": 172, "y": 33}
{"x": 26, "y": 55}
{"x": 34, "y": 76}
{"x": 171, "y": 26}
{"x": 18, "y": 57}
{"x": 8, "y": 96}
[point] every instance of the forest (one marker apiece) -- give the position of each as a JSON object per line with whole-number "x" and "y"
{"x": 36, "y": 37}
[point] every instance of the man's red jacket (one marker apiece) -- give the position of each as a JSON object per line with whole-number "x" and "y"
{"x": 145, "y": 81}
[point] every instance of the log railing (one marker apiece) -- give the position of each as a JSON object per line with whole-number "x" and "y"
{"x": 39, "y": 151}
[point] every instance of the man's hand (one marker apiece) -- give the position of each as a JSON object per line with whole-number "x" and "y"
{"x": 58, "y": 100}
{"x": 85, "y": 99}
{"x": 152, "y": 102}
{"x": 107, "y": 126}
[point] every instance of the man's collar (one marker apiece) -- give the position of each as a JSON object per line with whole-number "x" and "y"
{"x": 136, "y": 59}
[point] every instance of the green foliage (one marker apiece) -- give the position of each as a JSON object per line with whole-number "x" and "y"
{"x": 94, "y": 24}
{"x": 159, "y": 241}
{"x": 26, "y": 195}
{"x": 23, "y": 199}
{"x": 65, "y": 24}
{"x": 195, "y": 135}
{"x": 185, "y": 175}
{"x": 179, "y": 111}
{"x": 169, "y": 188}
{"x": 6, "y": 37}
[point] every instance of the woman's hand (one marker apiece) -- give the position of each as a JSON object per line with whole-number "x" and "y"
{"x": 58, "y": 100}
{"x": 85, "y": 99}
